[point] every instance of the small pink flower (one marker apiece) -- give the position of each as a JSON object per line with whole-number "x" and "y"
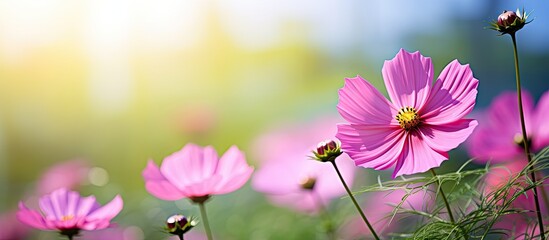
{"x": 68, "y": 212}
{"x": 419, "y": 126}
{"x": 196, "y": 172}
{"x": 288, "y": 175}
{"x": 69, "y": 174}
{"x": 499, "y": 135}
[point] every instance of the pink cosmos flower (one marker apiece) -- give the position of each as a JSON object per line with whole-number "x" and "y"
{"x": 519, "y": 225}
{"x": 69, "y": 174}
{"x": 498, "y": 138}
{"x": 287, "y": 174}
{"x": 68, "y": 212}
{"x": 195, "y": 172}
{"x": 421, "y": 123}
{"x": 380, "y": 207}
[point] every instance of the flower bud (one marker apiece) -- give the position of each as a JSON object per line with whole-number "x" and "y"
{"x": 509, "y": 22}
{"x": 327, "y": 151}
{"x": 507, "y": 18}
{"x": 179, "y": 224}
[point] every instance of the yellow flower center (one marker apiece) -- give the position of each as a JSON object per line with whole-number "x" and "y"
{"x": 67, "y": 218}
{"x": 408, "y": 118}
{"x": 307, "y": 183}
{"x": 519, "y": 140}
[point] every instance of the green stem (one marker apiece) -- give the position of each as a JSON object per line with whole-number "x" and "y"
{"x": 205, "y": 219}
{"x": 525, "y": 137}
{"x": 324, "y": 214}
{"x": 444, "y": 197}
{"x": 70, "y": 237}
{"x": 545, "y": 199}
{"x": 354, "y": 201}
{"x": 180, "y": 236}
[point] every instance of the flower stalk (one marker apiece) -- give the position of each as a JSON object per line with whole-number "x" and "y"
{"x": 525, "y": 136}
{"x": 205, "y": 220}
{"x": 328, "y": 151}
{"x": 354, "y": 201}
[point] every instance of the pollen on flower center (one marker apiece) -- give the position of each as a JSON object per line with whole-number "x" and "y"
{"x": 408, "y": 118}
{"x": 67, "y": 218}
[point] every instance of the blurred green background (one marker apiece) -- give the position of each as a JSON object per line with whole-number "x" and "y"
{"x": 119, "y": 82}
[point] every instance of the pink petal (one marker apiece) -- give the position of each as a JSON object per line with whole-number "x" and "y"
{"x": 47, "y": 208}
{"x": 157, "y": 185}
{"x": 73, "y": 199}
{"x": 152, "y": 172}
{"x": 232, "y": 161}
{"x": 446, "y": 137}
{"x": 417, "y": 157}
{"x": 494, "y": 138}
{"x": 452, "y": 97}
{"x": 485, "y": 145}
{"x": 164, "y": 190}
{"x": 541, "y": 135}
{"x": 407, "y": 77}
{"x": 233, "y": 182}
{"x": 58, "y": 200}
{"x": 85, "y": 206}
{"x": 31, "y": 217}
{"x": 185, "y": 167}
{"x": 375, "y": 147}
{"x": 108, "y": 211}
{"x": 204, "y": 187}
{"x": 275, "y": 177}
{"x": 95, "y": 225}
{"x": 503, "y": 115}
{"x": 302, "y": 201}
{"x": 70, "y": 175}
{"x": 362, "y": 103}
{"x": 328, "y": 185}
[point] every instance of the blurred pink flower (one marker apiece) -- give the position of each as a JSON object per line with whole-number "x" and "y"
{"x": 195, "y": 172}
{"x": 420, "y": 124}
{"x": 499, "y": 133}
{"x": 68, "y": 212}
{"x": 196, "y": 119}
{"x": 380, "y": 205}
{"x": 518, "y": 224}
{"x": 287, "y": 174}
{"x": 69, "y": 174}
{"x": 11, "y": 229}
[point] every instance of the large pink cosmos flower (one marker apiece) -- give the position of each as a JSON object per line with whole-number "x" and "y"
{"x": 289, "y": 177}
{"x": 420, "y": 124}
{"x": 195, "y": 172}
{"x": 68, "y": 212}
{"x": 499, "y": 135}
